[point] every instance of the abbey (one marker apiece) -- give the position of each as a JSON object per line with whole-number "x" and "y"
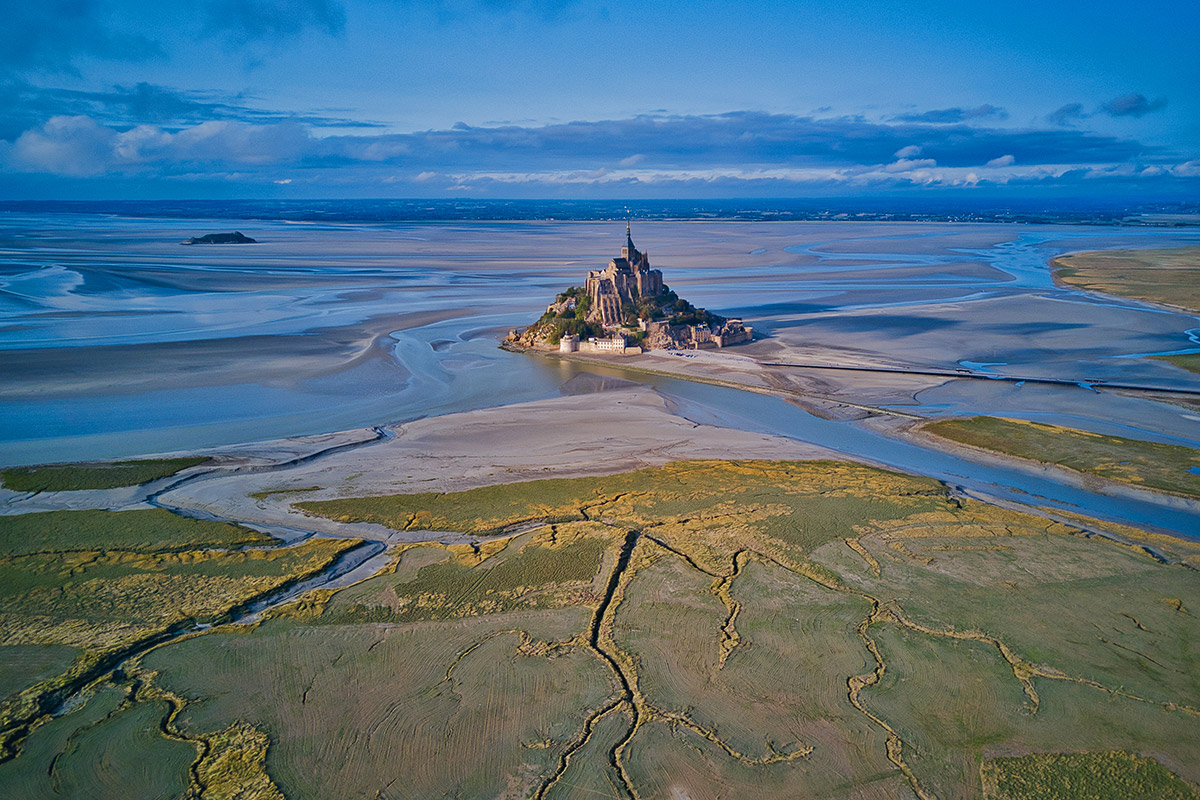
{"x": 626, "y": 280}
{"x": 626, "y": 308}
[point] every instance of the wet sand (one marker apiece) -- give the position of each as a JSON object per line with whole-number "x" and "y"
{"x": 116, "y": 341}
{"x": 606, "y": 427}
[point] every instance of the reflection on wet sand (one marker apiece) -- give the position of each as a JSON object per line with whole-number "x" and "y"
{"x": 117, "y": 341}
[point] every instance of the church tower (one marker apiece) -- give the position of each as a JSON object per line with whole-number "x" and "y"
{"x": 628, "y": 250}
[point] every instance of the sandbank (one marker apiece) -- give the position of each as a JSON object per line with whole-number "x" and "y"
{"x": 571, "y": 436}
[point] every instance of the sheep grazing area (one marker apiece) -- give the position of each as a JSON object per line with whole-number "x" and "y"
{"x": 708, "y": 629}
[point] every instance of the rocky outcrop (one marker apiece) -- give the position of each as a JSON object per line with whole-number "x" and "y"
{"x": 237, "y": 237}
{"x": 630, "y": 300}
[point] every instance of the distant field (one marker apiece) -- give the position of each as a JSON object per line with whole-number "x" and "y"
{"x": 734, "y": 629}
{"x": 70, "y": 477}
{"x": 1170, "y": 277}
{"x": 1188, "y": 361}
{"x": 1148, "y": 465}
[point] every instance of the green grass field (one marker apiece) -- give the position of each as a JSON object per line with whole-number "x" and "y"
{"x": 145, "y": 530}
{"x": 1188, "y": 361}
{"x": 701, "y": 630}
{"x": 1064, "y": 776}
{"x": 1171, "y": 277}
{"x": 76, "y": 586}
{"x": 1150, "y": 465}
{"x": 71, "y": 477}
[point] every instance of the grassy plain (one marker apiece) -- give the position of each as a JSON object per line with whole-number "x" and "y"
{"x": 711, "y": 629}
{"x": 1188, "y": 361}
{"x": 1150, "y": 465}
{"x": 1170, "y": 277}
{"x": 1103, "y": 776}
{"x": 80, "y": 588}
{"x": 107, "y": 475}
{"x": 153, "y": 530}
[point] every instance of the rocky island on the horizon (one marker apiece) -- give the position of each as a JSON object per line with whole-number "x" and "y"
{"x": 624, "y": 308}
{"x": 237, "y": 237}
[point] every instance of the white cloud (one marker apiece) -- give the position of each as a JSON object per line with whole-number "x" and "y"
{"x": 74, "y": 146}
{"x": 1002, "y": 161}
{"x": 908, "y": 152}
{"x": 1188, "y": 169}
{"x": 81, "y": 147}
{"x": 909, "y": 164}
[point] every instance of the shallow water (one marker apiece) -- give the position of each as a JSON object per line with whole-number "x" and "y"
{"x": 115, "y": 340}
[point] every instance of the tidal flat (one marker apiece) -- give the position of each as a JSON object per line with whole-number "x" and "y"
{"x": 476, "y": 573}
{"x": 118, "y": 342}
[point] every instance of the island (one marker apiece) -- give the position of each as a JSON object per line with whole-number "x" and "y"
{"x": 626, "y": 308}
{"x": 237, "y": 237}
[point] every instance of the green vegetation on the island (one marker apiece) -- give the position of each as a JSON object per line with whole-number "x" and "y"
{"x": 1096, "y": 776}
{"x": 568, "y": 315}
{"x": 1170, "y": 277}
{"x": 80, "y": 589}
{"x": 571, "y": 309}
{"x": 110, "y": 475}
{"x": 1151, "y": 465}
{"x": 142, "y": 530}
{"x": 770, "y": 628}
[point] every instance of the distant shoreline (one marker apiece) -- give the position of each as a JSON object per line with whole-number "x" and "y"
{"x": 1025, "y": 211}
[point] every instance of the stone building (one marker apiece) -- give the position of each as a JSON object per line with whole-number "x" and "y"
{"x": 613, "y": 344}
{"x": 624, "y": 280}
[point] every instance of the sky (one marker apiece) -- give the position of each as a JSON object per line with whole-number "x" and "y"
{"x": 145, "y": 99}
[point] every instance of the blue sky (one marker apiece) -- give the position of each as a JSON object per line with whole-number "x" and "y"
{"x": 520, "y": 98}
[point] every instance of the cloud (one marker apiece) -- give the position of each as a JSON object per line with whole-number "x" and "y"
{"x": 23, "y": 105}
{"x": 742, "y": 137}
{"x": 1132, "y": 105}
{"x": 73, "y": 146}
{"x": 752, "y": 150}
{"x": 79, "y": 146}
{"x": 1188, "y": 169}
{"x": 949, "y": 116}
{"x": 1067, "y": 115}
{"x": 907, "y": 164}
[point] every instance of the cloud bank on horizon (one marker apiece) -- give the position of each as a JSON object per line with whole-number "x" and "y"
{"x": 320, "y": 98}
